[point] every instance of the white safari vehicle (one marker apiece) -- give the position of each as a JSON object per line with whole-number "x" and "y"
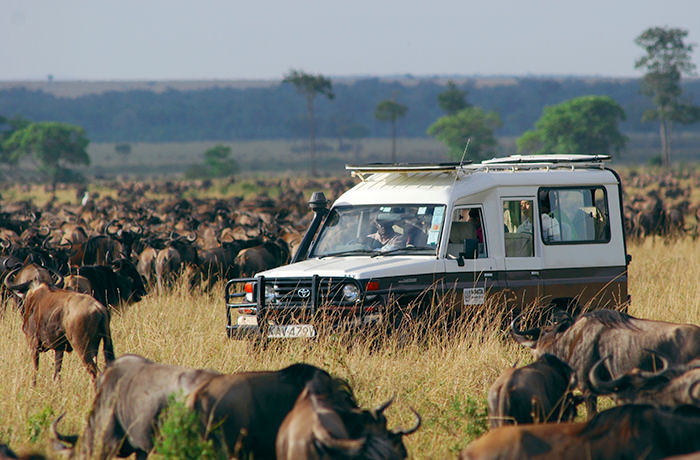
{"x": 521, "y": 230}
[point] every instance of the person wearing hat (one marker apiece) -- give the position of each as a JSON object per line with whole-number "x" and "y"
{"x": 387, "y": 237}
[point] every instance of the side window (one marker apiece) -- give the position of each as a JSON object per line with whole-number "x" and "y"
{"x": 574, "y": 215}
{"x": 517, "y": 228}
{"x": 467, "y": 231}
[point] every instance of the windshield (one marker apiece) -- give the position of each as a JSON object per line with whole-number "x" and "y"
{"x": 380, "y": 229}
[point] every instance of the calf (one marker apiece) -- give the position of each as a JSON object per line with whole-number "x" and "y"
{"x": 538, "y": 392}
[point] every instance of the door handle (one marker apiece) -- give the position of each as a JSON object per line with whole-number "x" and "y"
{"x": 535, "y": 273}
{"x": 488, "y": 275}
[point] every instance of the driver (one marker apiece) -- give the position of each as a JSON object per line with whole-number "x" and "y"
{"x": 387, "y": 237}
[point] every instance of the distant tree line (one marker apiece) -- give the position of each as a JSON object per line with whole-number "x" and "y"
{"x": 276, "y": 113}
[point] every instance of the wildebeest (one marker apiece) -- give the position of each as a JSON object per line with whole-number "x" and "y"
{"x": 63, "y": 321}
{"x": 130, "y": 394}
{"x": 242, "y": 412}
{"x": 268, "y": 255}
{"x": 326, "y": 423}
{"x": 116, "y": 284}
{"x": 538, "y": 392}
{"x": 668, "y": 386}
{"x": 628, "y": 432}
{"x": 595, "y": 334}
{"x": 8, "y": 454}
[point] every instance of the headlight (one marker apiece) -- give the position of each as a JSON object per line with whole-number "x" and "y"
{"x": 269, "y": 293}
{"x": 351, "y": 293}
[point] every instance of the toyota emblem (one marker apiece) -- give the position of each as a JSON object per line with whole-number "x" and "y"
{"x": 304, "y": 293}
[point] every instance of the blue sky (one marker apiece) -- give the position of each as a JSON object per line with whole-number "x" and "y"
{"x": 263, "y": 39}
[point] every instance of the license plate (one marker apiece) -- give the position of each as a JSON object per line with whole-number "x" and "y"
{"x": 278, "y": 331}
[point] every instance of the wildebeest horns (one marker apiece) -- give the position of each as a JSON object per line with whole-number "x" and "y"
{"x": 382, "y": 407}
{"x": 62, "y": 442}
{"x": 636, "y": 377}
{"x": 527, "y": 338}
{"x": 414, "y": 428}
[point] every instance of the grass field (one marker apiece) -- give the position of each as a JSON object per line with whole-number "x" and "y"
{"x": 445, "y": 379}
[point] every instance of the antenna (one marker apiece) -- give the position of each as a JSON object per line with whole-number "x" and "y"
{"x": 461, "y": 161}
{"x": 465, "y": 151}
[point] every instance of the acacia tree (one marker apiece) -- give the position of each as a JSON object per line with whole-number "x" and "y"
{"x": 667, "y": 58}
{"x": 50, "y": 146}
{"x": 587, "y": 124}
{"x": 471, "y": 123}
{"x": 453, "y": 99}
{"x": 390, "y": 110}
{"x": 308, "y": 86}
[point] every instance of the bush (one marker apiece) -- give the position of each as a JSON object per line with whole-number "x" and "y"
{"x": 179, "y": 435}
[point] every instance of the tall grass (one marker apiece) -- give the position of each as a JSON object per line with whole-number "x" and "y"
{"x": 443, "y": 376}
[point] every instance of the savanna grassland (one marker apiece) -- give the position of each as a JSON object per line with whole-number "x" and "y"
{"x": 444, "y": 378}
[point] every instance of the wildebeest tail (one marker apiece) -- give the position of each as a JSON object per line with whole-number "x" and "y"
{"x": 107, "y": 344}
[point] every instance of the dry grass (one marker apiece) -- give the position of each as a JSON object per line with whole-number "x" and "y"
{"x": 441, "y": 378}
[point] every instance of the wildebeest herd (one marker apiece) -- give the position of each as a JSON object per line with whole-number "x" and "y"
{"x": 113, "y": 252}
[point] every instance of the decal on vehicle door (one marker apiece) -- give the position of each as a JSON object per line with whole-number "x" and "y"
{"x": 474, "y": 296}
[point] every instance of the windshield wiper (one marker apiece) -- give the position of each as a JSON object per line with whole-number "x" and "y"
{"x": 345, "y": 253}
{"x": 406, "y": 248}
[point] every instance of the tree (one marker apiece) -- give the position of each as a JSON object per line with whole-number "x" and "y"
{"x": 123, "y": 149}
{"x": 217, "y": 163}
{"x": 308, "y": 86}
{"x": 667, "y": 58}
{"x": 453, "y": 99}
{"x": 50, "y": 145}
{"x": 12, "y": 125}
{"x": 587, "y": 124}
{"x": 390, "y": 110}
{"x": 470, "y": 123}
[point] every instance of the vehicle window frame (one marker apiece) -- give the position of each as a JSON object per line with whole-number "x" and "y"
{"x": 484, "y": 232}
{"x": 322, "y": 227}
{"x": 547, "y": 189}
{"x": 532, "y": 246}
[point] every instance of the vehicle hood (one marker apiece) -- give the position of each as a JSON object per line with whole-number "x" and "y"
{"x": 359, "y": 267}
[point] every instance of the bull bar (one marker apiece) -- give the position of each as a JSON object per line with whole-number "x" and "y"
{"x": 259, "y": 306}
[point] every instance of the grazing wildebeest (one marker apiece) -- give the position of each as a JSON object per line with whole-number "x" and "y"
{"x": 63, "y": 321}
{"x": 595, "y": 334}
{"x": 326, "y": 423}
{"x": 668, "y": 386}
{"x": 130, "y": 394}
{"x": 242, "y": 412}
{"x": 628, "y": 432}
{"x": 538, "y": 392}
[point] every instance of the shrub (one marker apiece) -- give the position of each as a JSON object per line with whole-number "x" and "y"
{"x": 179, "y": 435}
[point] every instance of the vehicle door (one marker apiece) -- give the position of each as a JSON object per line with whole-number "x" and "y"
{"x": 471, "y": 270}
{"x": 522, "y": 264}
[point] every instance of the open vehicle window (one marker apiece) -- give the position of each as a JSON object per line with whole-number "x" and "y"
{"x": 574, "y": 215}
{"x": 467, "y": 233}
{"x": 387, "y": 229}
{"x": 518, "y": 228}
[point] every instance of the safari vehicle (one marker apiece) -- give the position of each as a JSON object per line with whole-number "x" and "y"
{"x": 523, "y": 230}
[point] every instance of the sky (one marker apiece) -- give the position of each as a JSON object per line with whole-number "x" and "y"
{"x": 264, "y": 39}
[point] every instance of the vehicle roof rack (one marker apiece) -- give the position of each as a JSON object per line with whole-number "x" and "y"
{"x": 404, "y": 167}
{"x": 549, "y": 158}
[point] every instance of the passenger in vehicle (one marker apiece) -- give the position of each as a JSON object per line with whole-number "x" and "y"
{"x": 475, "y": 217}
{"x": 386, "y": 236}
{"x": 525, "y": 217}
{"x": 551, "y": 230}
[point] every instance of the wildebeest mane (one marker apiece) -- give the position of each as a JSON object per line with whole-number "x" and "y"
{"x": 611, "y": 318}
